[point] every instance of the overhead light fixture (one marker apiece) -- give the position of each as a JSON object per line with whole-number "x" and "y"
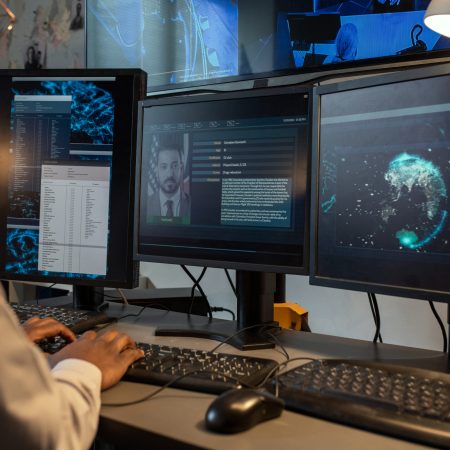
{"x": 437, "y": 16}
{"x": 8, "y": 16}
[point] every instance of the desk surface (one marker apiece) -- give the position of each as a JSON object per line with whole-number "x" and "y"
{"x": 174, "y": 418}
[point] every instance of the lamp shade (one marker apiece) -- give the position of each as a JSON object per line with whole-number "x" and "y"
{"x": 437, "y": 16}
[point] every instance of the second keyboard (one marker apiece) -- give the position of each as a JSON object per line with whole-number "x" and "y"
{"x": 198, "y": 370}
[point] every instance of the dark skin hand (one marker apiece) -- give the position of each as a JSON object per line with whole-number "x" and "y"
{"x": 39, "y": 329}
{"x": 112, "y": 352}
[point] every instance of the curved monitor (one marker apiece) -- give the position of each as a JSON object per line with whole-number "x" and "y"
{"x": 68, "y": 141}
{"x": 184, "y": 43}
{"x": 222, "y": 180}
{"x": 381, "y": 180}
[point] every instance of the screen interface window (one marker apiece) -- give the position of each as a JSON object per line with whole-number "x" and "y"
{"x": 383, "y": 206}
{"x": 226, "y": 176}
{"x": 61, "y": 147}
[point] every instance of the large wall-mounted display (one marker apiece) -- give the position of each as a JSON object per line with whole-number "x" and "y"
{"x": 175, "y": 41}
{"x": 204, "y": 41}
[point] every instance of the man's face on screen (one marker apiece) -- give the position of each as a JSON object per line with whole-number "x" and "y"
{"x": 170, "y": 170}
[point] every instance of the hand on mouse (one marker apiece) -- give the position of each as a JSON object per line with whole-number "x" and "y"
{"x": 112, "y": 352}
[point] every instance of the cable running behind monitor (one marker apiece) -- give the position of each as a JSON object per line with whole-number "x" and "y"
{"x": 381, "y": 180}
{"x": 68, "y": 141}
{"x": 222, "y": 182}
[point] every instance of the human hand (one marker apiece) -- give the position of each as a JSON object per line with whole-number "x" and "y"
{"x": 38, "y": 329}
{"x": 112, "y": 352}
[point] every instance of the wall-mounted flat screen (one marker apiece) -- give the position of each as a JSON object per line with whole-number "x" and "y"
{"x": 198, "y": 42}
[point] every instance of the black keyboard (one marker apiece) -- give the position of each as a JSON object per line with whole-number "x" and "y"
{"x": 77, "y": 320}
{"x": 404, "y": 402}
{"x": 214, "y": 372}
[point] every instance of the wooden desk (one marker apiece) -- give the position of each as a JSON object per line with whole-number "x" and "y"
{"x": 174, "y": 418}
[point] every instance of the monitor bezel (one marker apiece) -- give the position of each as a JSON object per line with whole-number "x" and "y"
{"x": 317, "y": 71}
{"x": 217, "y": 263}
{"x": 353, "y": 285}
{"x": 139, "y": 89}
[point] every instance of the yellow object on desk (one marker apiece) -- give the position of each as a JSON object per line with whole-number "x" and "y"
{"x": 291, "y": 315}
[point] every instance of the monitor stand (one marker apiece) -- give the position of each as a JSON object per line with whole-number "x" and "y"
{"x": 256, "y": 292}
{"x": 448, "y": 331}
{"x": 90, "y": 298}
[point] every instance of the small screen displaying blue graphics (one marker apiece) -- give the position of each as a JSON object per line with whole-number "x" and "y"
{"x": 384, "y": 180}
{"x": 174, "y": 41}
{"x": 61, "y": 150}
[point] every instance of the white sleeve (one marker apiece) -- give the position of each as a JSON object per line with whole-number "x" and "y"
{"x": 39, "y": 408}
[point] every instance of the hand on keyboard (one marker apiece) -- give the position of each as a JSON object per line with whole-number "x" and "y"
{"x": 112, "y": 352}
{"x": 39, "y": 329}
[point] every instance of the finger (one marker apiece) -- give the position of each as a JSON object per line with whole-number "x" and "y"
{"x": 130, "y": 355}
{"x": 32, "y": 320}
{"x": 109, "y": 336}
{"x": 66, "y": 333}
{"x": 89, "y": 335}
{"x": 49, "y": 320}
{"x": 53, "y": 329}
{"x": 123, "y": 341}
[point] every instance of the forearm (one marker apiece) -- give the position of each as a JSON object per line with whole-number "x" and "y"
{"x": 79, "y": 391}
{"x": 40, "y": 409}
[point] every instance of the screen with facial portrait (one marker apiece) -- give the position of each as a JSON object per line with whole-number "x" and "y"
{"x": 223, "y": 179}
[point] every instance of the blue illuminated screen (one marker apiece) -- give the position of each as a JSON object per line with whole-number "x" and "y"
{"x": 178, "y": 41}
{"x": 384, "y": 180}
{"x": 173, "y": 41}
{"x": 61, "y": 150}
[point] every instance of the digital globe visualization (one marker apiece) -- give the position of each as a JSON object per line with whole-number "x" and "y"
{"x": 387, "y": 200}
{"x": 407, "y": 172}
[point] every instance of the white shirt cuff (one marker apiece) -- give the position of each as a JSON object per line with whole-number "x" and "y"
{"x": 85, "y": 370}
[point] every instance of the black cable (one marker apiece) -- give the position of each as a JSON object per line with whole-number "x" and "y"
{"x": 375, "y": 319}
{"x": 165, "y": 386}
{"x": 283, "y": 364}
{"x": 376, "y": 316}
{"x": 153, "y": 305}
{"x": 231, "y": 283}
{"x": 220, "y": 309}
{"x": 197, "y": 284}
{"x": 441, "y": 325}
{"x": 372, "y": 308}
{"x": 377, "y": 313}
{"x": 132, "y": 315}
{"x": 282, "y": 347}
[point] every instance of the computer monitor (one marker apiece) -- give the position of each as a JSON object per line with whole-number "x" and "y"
{"x": 380, "y": 185}
{"x": 222, "y": 181}
{"x": 68, "y": 142}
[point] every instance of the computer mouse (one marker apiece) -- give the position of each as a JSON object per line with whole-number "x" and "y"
{"x": 240, "y": 409}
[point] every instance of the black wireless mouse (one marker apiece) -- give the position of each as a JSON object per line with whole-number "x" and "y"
{"x": 240, "y": 409}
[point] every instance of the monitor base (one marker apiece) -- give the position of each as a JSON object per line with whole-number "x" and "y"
{"x": 227, "y": 332}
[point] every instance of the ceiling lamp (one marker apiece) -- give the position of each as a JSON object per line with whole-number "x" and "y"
{"x": 437, "y": 16}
